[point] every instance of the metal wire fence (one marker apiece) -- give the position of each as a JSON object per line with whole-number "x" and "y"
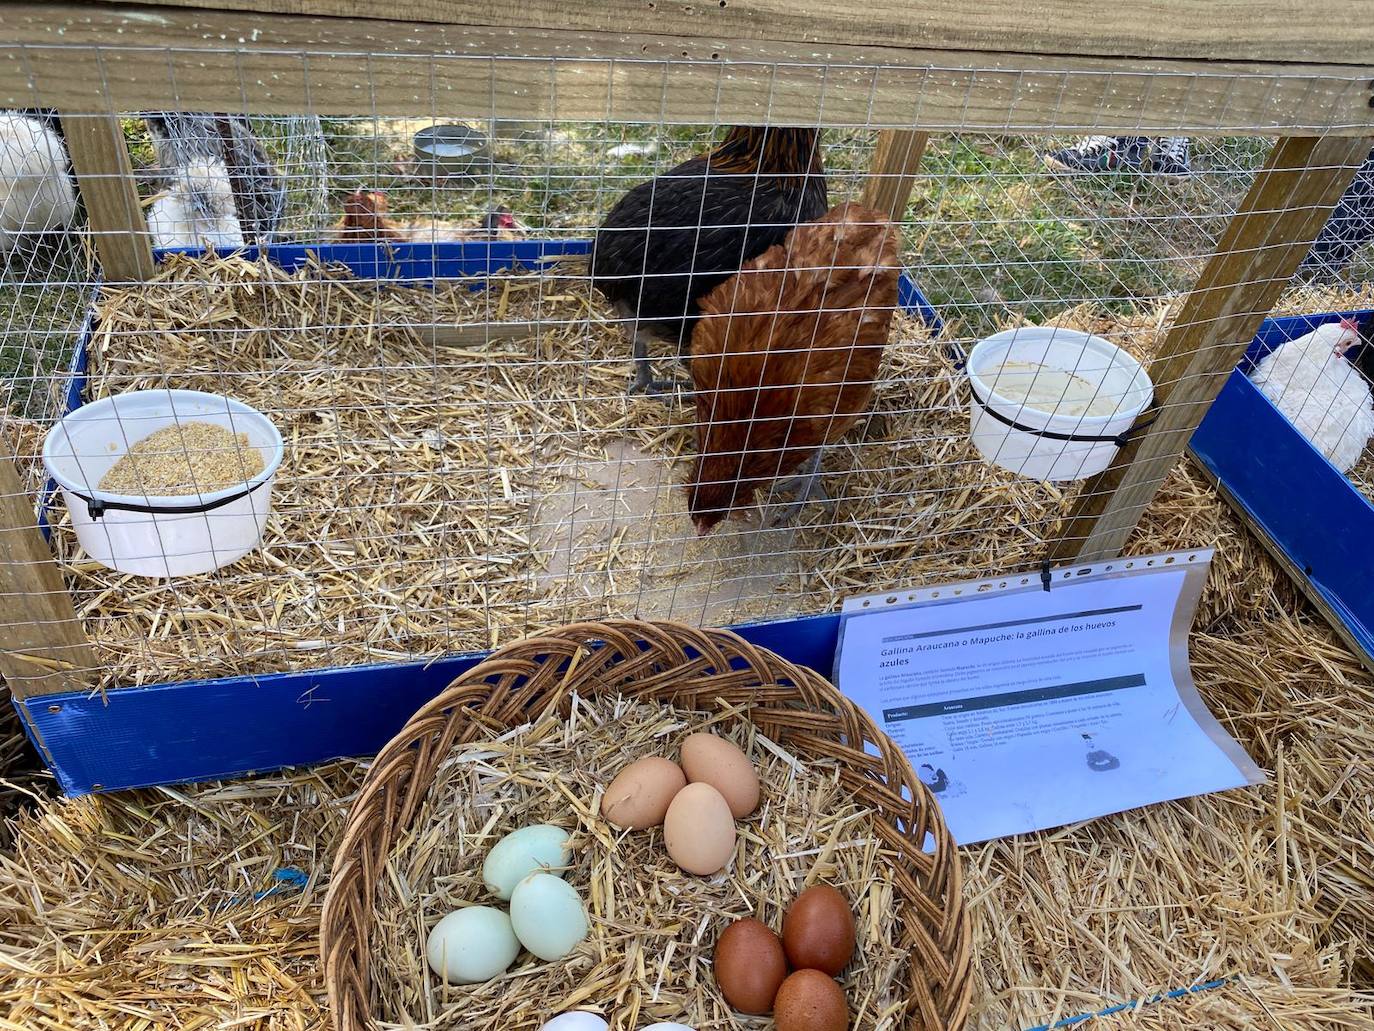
{"x": 463, "y": 463}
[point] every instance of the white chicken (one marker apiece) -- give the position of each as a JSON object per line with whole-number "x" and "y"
{"x": 1313, "y": 384}
{"x": 36, "y": 193}
{"x": 197, "y": 210}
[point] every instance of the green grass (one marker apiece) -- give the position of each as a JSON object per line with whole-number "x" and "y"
{"x": 991, "y": 235}
{"x": 43, "y": 300}
{"x": 995, "y": 236}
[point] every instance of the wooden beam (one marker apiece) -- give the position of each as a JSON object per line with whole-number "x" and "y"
{"x": 114, "y": 58}
{"x": 1261, "y": 30}
{"x": 106, "y": 178}
{"x": 1259, "y": 251}
{"x": 892, "y": 176}
{"x": 43, "y": 648}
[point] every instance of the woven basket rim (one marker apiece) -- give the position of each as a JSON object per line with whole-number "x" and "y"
{"x": 655, "y": 660}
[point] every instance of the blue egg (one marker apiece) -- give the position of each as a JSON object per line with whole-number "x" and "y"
{"x": 471, "y": 945}
{"x": 547, "y": 916}
{"x": 540, "y": 846}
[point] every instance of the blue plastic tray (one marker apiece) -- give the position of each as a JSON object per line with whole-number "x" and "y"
{"x": 1300, "y": 505}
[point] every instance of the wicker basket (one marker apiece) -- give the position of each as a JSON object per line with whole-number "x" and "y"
{"x": 691, "y": 668}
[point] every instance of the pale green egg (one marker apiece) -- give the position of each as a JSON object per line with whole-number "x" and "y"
{"x": 547, "y": 916}
{"x": 471, "y": 945}
{"x": 540, "y": 846}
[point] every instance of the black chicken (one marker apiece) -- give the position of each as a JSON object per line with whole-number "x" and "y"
{"x": 1362, "y": 354}
{"x": 672, "y": 240}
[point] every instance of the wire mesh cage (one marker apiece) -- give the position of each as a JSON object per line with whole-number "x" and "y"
{"x": 408, "y": 292}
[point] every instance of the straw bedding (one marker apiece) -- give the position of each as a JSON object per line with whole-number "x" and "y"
{"x": 454, "y": 494}
{"x": 138, "y": 911}
{"x": 647, "y": 957}
{"x": 453, "y": 490}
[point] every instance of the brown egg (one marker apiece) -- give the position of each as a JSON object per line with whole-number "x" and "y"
{"x": 713, "y": 760}
{"x": 749, "y": 965}
{"x": 640, "y": 793}
{"x": 810, "y": 1001}
{"x": 699, "y": 830}
{"x": 818, "y": 930}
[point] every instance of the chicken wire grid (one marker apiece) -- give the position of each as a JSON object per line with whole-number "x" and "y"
{"x": 464, "y": 466}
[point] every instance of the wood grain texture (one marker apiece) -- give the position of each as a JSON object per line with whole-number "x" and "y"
{"x": 106, "y": 180}
{"x": 1262, "y": 30}
{"x": 1259, "y": 251}
{"x": 892, "y": 175}
{"x": 43, "y": 648}
{"x": 105, "y": 57}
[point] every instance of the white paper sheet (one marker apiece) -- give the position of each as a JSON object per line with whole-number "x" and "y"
{"x": 1026, "y": 709}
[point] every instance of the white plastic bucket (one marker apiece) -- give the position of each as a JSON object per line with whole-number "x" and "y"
{"x": 1051, "y": 441}
{"x": 159, "y": 536}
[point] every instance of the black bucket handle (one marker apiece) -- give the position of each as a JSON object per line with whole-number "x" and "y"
{"x": 1120, "y": 439}
{"x": 96, "y": 508}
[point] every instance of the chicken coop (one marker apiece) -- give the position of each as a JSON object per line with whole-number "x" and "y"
{"x": 386, "y": 244}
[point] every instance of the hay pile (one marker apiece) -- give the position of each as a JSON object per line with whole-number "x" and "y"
{"x": 21, "y": 440}
{"x": 138, "y": 909}
{"x": 808, "y": 828}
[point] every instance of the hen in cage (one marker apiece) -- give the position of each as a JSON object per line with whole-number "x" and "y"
{"x": 672, "y": 240}
{"x": 499, "y": 223}
{"x": 1321, "y": 393}
{"x": 366, "y": 219}
{"x": 259, "y": 188}
{"x": 785, "y": 359}
{"x": 36, "y": 190}
{"x": 197, "y": 209}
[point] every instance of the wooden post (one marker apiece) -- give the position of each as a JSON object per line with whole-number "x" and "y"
{"x": 43, "y": 648}
{"x": 1258, "y": 253}
{"x": 893, "y": 173}
{"x": 106, "y": 178}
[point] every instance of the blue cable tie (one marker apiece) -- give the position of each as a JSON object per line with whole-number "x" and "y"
{"x": 288, "y": 879}
{"x": 1175, "y": 993}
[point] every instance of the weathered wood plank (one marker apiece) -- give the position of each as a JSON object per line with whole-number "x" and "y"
{"x": 1257, "y": 255}
{"x": 43, "y": 648}
{"x": 1261, "y": 30}
{"x": 105, "y": 178}
{"x": 892, "y": 175}
{"x": 104, "y": 58}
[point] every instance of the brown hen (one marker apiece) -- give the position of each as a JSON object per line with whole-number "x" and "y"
{"x": 785, "y": 358}
{"x": 365, "y": 220}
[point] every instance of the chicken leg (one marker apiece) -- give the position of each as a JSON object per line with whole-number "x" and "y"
{"x": 806, "y": 485}
{"x": 644, "y": 382}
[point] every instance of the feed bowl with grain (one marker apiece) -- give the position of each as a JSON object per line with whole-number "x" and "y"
{"x": 165, "y": 483}
{"x": 1052, "y": 403}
